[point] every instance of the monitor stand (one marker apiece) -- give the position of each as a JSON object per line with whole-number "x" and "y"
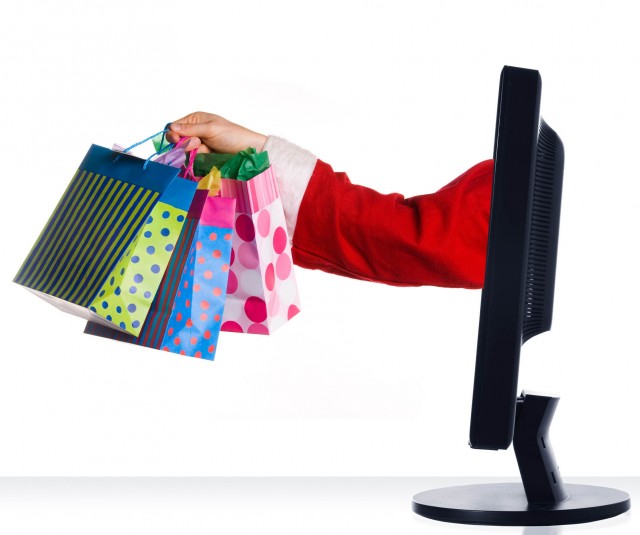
{"x": 542, "y": 499}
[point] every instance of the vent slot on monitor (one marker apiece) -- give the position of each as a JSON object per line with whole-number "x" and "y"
{"x": 543, "y": 238}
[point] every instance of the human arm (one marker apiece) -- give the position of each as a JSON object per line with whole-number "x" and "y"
{"x": 436, "y": 239}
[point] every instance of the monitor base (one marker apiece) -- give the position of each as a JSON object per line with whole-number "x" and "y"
{"x": 505, "y": 504}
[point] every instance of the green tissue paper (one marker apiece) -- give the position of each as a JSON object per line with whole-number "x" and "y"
{"x": 204, "y": 162}
{"x": 245, "y": 165}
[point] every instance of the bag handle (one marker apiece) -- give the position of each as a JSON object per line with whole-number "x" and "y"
{"x": 163, "y": 149}
{"x": 187, "y": 171}
{"x": 160, "y": 151}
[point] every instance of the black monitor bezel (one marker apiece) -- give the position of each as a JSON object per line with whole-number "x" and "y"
{"x": 503, "y": 294}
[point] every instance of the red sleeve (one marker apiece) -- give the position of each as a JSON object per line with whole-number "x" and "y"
{"x": 438, "y": 239}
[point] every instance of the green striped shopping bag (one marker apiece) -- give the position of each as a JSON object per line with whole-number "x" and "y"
{"x": 105, "y": 248}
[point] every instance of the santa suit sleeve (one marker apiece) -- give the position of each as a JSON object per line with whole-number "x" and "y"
{"x": 437, "y": 239}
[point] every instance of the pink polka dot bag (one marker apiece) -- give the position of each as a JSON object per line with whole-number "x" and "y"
{"x": 262, "y": 293}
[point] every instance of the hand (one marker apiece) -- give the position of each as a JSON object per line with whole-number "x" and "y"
{"x": 212, "y": 133}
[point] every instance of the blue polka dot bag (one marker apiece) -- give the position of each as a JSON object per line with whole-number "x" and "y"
{"x": 186, "y": 315}
{"x": 105, "y": 248}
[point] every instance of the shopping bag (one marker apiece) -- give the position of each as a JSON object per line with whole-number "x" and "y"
{"x": 262, "y": 293}
{"x": 105, "y": 248}
{"x": 186, "y": 315}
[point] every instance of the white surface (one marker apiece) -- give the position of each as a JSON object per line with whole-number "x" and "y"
{"x": 297, "y": 506}
{"x": 367, "y": 380}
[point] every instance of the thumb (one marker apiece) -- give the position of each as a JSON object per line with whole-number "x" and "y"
{"x": 191, "y": 130}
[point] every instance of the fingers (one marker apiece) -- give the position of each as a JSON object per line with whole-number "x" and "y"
{"x": 189, "y": 145}
{"x": 191, "y": 130}
{"x": 195, "y": 124}
{"x": 196, "y": 118}
{"x": 203, "y": 149}
{"x": 214, "y": 132}
{"x": 172, "y": 137}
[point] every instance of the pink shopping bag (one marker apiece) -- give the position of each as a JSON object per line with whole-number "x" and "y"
{"x": 262, "y": 293}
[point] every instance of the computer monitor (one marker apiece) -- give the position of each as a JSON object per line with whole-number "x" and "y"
{"x": 517, "y": 297}
{"x": 517, "y": 304}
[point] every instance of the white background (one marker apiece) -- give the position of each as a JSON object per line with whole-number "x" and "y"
{"x": 368, "y": 379}
{"x": 244, "y": 506}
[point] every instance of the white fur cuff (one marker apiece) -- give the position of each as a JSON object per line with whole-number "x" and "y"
{"x": 293, "y": 167}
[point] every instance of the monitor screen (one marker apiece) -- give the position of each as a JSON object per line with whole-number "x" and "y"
{"x": 517, "y": 297}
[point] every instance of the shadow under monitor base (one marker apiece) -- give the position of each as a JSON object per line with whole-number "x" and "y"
{"x": 505, "y": 504}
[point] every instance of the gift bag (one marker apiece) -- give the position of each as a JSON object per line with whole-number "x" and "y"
{"x": 105, "y": 248}
{"x": 186, "y": 315}
{"x": 261, "y": 293}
